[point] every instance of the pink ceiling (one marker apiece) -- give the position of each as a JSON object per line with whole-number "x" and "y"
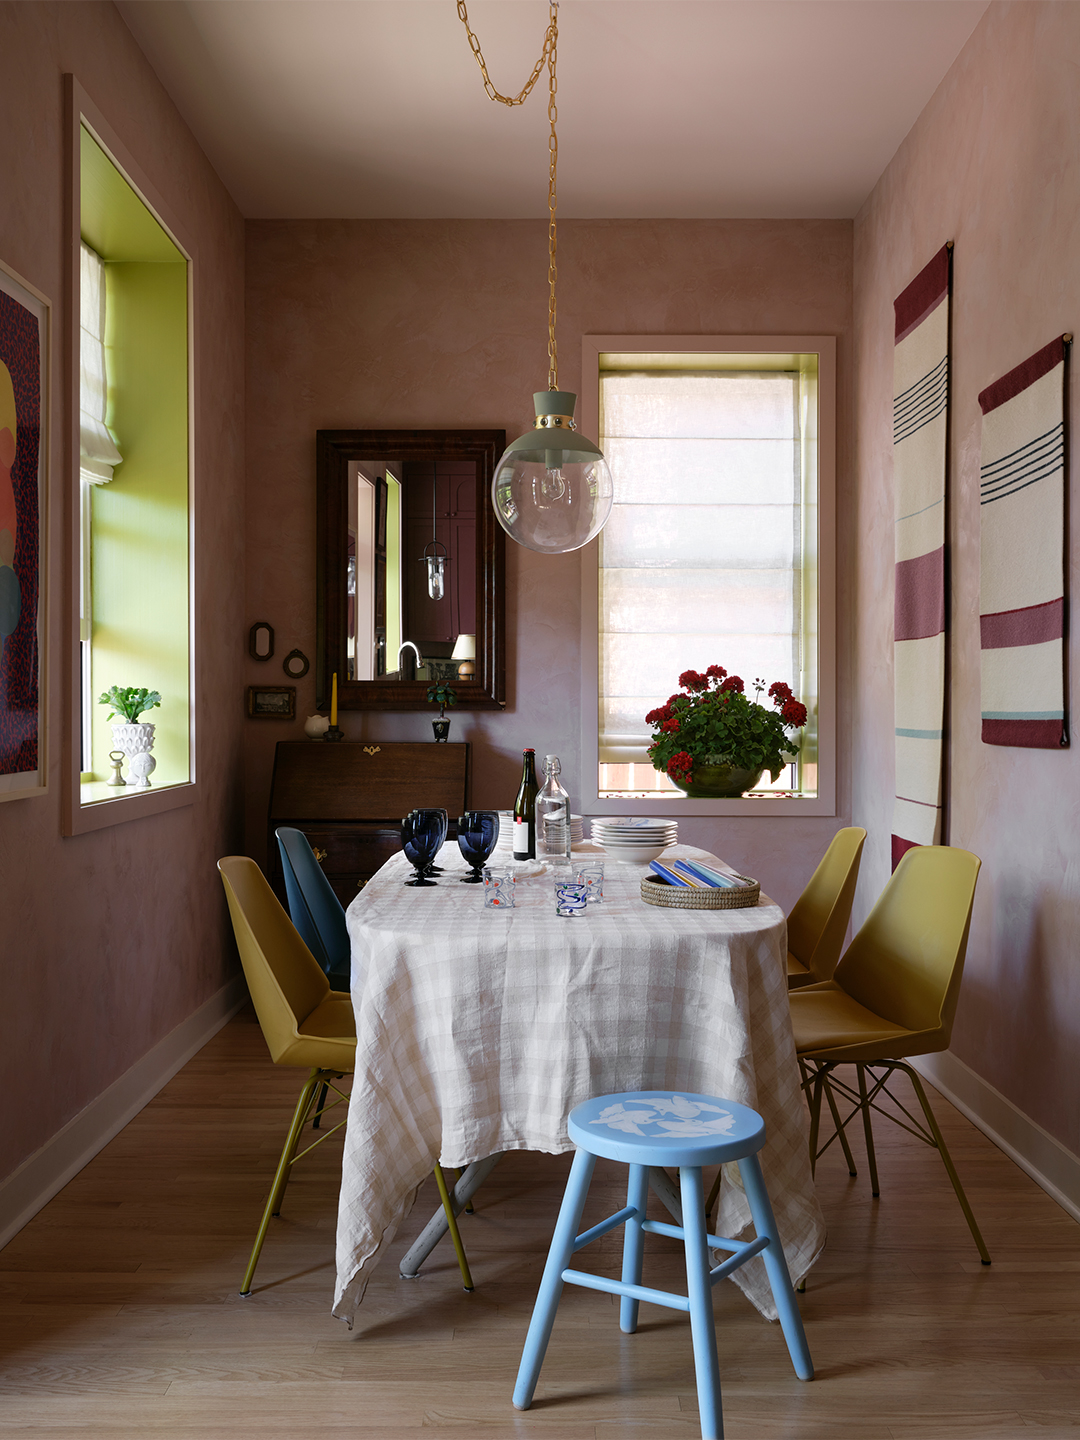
{"x": 667, "y": 108}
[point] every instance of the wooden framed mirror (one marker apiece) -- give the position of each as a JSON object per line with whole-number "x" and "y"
{"x": 388, "y": 622}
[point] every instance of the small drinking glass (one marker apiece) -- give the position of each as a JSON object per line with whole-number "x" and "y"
{"x": 477, "y": 835}
{"x": 592, "y": 873}
{"x": 498, "y": 888}
{"x": 570, "y": 897}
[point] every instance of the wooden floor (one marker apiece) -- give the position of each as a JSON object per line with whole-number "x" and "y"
{"x": 119, "y": 1313}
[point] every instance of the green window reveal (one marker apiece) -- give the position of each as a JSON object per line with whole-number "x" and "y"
{"x": 136, "y": 526}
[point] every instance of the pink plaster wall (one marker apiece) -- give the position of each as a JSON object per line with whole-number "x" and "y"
{"x": 442, "y": 323}
{"x": 991, "y": 164}
{"x": 110, "y": 940}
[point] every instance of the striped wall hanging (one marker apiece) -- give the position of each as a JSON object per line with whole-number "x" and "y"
{"x": 1022, "y": 554}
{"x": 920, "y": 435}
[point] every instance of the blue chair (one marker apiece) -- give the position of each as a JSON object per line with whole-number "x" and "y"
{"x": 314, "y": 908}
{"x": 656, "y": 1127}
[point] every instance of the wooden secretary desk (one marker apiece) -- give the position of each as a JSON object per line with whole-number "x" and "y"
{"x": 349, "y": 798}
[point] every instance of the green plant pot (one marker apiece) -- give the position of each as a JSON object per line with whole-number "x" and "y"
{"x": 718, "y": 782}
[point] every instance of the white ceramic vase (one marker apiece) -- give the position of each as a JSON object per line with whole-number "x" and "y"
{"x": 136, "y": 739}
{"x": 316, "y": 726}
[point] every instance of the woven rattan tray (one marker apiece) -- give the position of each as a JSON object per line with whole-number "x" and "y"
{"x": 655, "y": 891}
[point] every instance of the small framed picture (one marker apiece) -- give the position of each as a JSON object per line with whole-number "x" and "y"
{"x": 271, "y": 702}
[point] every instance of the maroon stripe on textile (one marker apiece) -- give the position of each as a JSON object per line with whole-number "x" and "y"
{"x": 1033, "y": 625}
{"x": 1029, "y": 734}
{"x": 925, "y": 293}
{"x": 919, "y": 606}
{"x": 900, "y": 847}
{"x": 1025, "y": 374}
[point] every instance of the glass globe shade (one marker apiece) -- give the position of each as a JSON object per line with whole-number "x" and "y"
{"x": 552, "y": 489}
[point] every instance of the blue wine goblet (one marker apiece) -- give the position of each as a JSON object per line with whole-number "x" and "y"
{"x": 444, "y": 826}
{"x": 477, "y": 834}
{"x": 420, "y": 841}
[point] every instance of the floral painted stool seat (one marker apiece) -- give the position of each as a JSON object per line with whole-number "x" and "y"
{"x": 656, "y": 1127}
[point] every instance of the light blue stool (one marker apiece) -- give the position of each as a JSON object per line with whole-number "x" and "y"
{"x": 657, "y": 1127}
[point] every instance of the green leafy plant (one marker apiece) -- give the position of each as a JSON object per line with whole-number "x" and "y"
{"x": 130, "y": 702}
{"x": 713, "y": 722}
{"x": 441, "y": 695}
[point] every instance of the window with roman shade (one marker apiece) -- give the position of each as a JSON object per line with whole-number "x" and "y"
{"x": 710, "y": 553}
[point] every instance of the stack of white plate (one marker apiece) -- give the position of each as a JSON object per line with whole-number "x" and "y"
{"x": 636, "y": 841}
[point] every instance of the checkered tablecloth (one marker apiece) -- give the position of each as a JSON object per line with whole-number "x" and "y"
{"x": 479, "y": 1030}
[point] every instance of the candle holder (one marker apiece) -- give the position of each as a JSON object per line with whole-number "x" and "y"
{"x": 334, "y": 734}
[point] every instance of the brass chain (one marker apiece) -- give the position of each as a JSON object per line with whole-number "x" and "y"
{"x": 549, "y": 53}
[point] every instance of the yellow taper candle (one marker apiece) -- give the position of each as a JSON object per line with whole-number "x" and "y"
{"x": 333, "y": 702}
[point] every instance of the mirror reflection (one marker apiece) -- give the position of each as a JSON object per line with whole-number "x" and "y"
{"x": 410, "y": 569}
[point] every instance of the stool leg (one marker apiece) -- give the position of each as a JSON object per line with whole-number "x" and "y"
{"x": 699, "y": 1289}
{"x": 551, "y": 1285}
{"x": 787, "y": 1306}
{"x": 637, "y": 1195}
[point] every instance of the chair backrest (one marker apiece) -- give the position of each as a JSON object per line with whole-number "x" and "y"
{"x": 283, "y": 976}
{"x": 907, "y": 960}
{"x": 315, "y": 909}
{"x": 818, "y": 923}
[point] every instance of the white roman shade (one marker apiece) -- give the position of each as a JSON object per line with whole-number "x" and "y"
{"x": 97, "y": 449}
{"x": 702, "y": 560}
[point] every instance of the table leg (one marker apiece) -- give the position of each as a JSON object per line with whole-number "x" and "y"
{"x": 473, "y": 1177}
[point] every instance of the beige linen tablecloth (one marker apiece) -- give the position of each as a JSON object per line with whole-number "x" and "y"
{"x": 479, "y": 1030}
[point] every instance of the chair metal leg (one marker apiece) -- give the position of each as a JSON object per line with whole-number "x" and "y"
{"x": 547, "y": 1298}
{"x": 943, "y": 1151}
{"x": 637, "y": 1195}
{"x": 815, "y": 1116}
{"x": 321, "y": 1106}
{"x": 714, "y": 1193}
{"x": 841, "y": 1130}
{"x": 474, "y": 1176}
{"x": 452, "y": 1225}
{"x": 868, "y": 1131}
{"x": 281, "y": 1177}
{"x": 699, "y": 1289}
{"x": 776, "y": 1266}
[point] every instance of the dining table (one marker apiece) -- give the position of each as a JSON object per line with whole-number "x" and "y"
{"x": 478, "y": 1030}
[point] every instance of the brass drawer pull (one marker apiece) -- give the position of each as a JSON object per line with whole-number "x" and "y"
{"x": 320, "y": 855}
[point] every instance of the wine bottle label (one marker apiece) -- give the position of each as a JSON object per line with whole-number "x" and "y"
{"x": 522, "y": 849}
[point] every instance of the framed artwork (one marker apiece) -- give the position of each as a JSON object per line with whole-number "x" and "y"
{"x": 271, "y": 702}
{"x": 24, "y": 429}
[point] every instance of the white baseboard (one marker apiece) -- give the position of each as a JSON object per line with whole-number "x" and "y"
{"x": 49, "y": 1169}
{"x": 1034, "y": 1149}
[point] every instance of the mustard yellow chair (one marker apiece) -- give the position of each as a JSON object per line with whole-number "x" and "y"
{"x": 304, "y": 1023}
{"x": 818, "y": 923}
{"x": 893, "y": 995}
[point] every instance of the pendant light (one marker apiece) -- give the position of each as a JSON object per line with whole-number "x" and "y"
{"x": 552, "y": 489}
{"x": 436, "y": 563}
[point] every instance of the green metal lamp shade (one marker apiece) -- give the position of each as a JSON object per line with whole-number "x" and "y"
{"x": 552, "y": 489}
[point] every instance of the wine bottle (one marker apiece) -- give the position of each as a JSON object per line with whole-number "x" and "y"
{"x": 553, "y": 813}
{"x": 525, "y": 809}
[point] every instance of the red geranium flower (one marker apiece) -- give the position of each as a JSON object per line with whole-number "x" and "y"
{"x": 716, "y": 671}
{"x": 659, "y": 715}
{"x": 780, "y": 692}
{"x": 692, "y": 681}
{"x": 680, "y": 766}
{"x": 671, "y": 726}
{"x": 793, "y": 713}
{"x": 733, "y": 682}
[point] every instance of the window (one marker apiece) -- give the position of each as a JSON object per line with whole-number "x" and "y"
{"x": 133, "y": 558}
{"x": 713, "y": 551}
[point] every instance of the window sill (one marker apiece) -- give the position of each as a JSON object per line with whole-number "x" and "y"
{"x": 101, "y": 805}
{"x": 762, "y": 807}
